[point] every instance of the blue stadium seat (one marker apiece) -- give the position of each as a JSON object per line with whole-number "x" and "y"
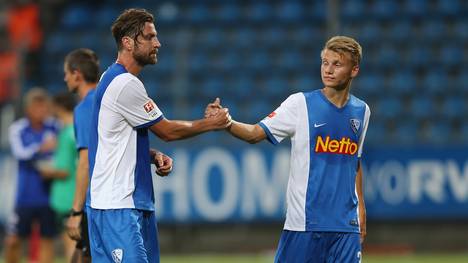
{"x": 388, "y": 107}
{"x": 433, "y": 30}
{"x": 243, "y": 86}
{"x": 406, "y": 132}
{"x": 461, "y": 29}
{"x": 400, "y": 31}
{"x": 454, "y": 107}
{"x": 418, "y": 56}
{"x": 258, "y": 60}
{"x": 369, "y": 83}
{"x": 105, "y": 16}
{"x": 212, "y": 87}
{"x": 198, "y": 13}
{"x": 464, "y": 132}
{"x": 387, "y": 57}
{"x": 422, "y": 107}
{"x": 305, "y": 82}
{"x": 243, "y": 37}
{"x": 376, "y": 133}
{"x": 461, "y": 81}
{"x": 415, "y": 8}
{"x": 449, "y": 8}
{"x": 403, "y": 82}
{"x": 384, "y": 9}
{"x": 229, "y": 13}
{"x": 57, "y": 42}
{"x": 290, "y": 60}
{"x": 369, "y": 33}
{"x": 275, "y": 87}
{"x": 310, "y": 36}
{"x": 272, "y": 36}
{"x": 197, "y": 62}
{"x": 259, "y": 11}
{"x": 290, "y": 11}
{"x": 229, "y": 61}
{"x": 439, "y": 132}
{"x": 435, "y": 81}
{"x": 77, "y": 16}
{"x": 257, "y": 109}
{"x": 353, "y": 9}
{"x": 211, "y": 38}
{"x": 451, "y": 55}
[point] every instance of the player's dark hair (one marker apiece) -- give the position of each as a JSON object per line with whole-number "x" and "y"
{"x": 85, "y": 61}
{"x": 131, "y": 24}
{"x": 65, "y": 100}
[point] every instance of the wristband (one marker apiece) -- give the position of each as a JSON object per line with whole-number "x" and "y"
{"x": 75, "y": 213}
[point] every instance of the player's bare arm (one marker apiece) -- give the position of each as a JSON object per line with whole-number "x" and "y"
{"x": 171, "y": 130}
{"x": 362, "y": 206}
{"x": 82, "y": 178}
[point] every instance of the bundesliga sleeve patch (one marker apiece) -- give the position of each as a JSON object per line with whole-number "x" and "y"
{"x": 271, "y": 115}
{"x": 150, "y": 109}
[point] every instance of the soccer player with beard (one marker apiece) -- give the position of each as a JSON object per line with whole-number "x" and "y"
{"x": 122, "y": 223}
{"x": 325, "y": 219}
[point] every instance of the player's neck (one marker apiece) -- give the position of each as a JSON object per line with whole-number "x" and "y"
{"x": 126, "y": 59}
{"x": 339, "y": 97}
{"x": 84, "y": 89}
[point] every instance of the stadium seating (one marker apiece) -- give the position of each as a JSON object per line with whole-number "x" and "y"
{"x": 253, "y": 54}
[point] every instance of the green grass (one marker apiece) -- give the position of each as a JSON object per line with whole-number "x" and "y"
{"x": 417, "y": 258}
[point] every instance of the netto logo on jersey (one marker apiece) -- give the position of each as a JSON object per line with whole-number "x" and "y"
{"x": 343, "y": 146}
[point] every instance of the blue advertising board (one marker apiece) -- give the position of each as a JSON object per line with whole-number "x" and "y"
{"x": 249, "y": 184}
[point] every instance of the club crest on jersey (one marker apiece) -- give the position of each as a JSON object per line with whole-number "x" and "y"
{"x": 117, "y": 255}
{"x": 355, "y": 124}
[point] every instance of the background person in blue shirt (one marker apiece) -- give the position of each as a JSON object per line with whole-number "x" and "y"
{"x": 32, "y": 140}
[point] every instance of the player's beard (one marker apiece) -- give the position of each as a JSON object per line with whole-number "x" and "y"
{"x": 143, "y": 58}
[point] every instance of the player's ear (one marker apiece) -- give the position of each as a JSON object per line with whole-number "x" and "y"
{"x": 354, "y": 71}
{"x": 127, "y": 43}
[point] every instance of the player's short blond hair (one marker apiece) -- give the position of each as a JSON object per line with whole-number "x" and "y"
{"x": 344, "y": 44}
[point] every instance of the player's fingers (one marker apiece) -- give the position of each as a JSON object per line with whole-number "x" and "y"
{"x": 217, "y": 101}
{"x": 159, "y": 159}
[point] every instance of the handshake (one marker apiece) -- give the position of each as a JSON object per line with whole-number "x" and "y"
{"x": 218, "y": 116}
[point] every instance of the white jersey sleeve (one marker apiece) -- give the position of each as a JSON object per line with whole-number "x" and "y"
{"x": 364, "y": 130}
{"x": 282, "y": 122}
{"x": 135, "y": 105}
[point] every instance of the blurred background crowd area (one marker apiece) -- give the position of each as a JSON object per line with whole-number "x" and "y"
{"x": 253, "y": 54}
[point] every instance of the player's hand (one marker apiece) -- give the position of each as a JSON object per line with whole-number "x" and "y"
{"x": 221, "y": 119}
{"x": 48, "y": 144}
{"x": 73, "y": 227}
{"x": 163, "y": 163}
{"x": 212, "y": 108}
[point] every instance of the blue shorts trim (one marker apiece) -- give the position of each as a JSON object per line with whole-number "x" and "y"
{"x": 308, "y": 246}
{"x": 123, "y": 235}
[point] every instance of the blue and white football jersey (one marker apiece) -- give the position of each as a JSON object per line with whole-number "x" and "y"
{"x": 119, "y": 159}
{"x": 326, "y": 146}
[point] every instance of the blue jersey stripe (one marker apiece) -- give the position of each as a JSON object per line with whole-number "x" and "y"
{"x": 270, "y": 136}
{"x": 149, "y": 124}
